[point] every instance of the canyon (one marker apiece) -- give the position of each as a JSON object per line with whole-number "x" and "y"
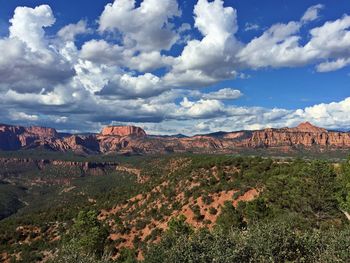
{"x": 134, "y": 140}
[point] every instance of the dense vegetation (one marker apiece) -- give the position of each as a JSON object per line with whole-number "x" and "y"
{"x": 297, "y": 215}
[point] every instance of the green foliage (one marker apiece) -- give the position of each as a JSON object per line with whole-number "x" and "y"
{"x": 178, "y": 226}
{"x": 275, "y": 241}
{"x": 344, "y": 182}
{"x": 213, "y": 211}
{"x": 127, "y": 256}
{"x": 88, "y": 234}
{"x": 10, "y": 199}
{"x": 255, "y": 210}
{"x": 69, "y": 253}
{"x": 311, "y": 194}
{"x": 229, "y": 219}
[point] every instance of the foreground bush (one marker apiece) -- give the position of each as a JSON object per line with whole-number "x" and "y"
{"x": 265, "y": 242}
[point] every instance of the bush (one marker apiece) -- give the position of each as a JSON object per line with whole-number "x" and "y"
{"x": 229, "y": 218}
{"x": 88, "y": 234}
{"x": 213, "y": 211}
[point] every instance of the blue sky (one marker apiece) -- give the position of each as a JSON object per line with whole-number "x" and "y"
{"x": 175, "y": 66}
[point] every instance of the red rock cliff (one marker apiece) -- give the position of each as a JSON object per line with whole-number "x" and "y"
{"x": 304, "y": 134}
{"x": 42, "y": 131}
{"x": 15, "y": 137}
{"x": 122, "y": 131}
{"x": 131, "y": 139}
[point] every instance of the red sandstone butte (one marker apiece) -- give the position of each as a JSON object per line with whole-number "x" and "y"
{"x": 122, "y": 131}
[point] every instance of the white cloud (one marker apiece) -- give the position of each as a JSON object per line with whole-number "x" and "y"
{"x": 28, "y": 23}
{"x": 69, "y": 32}
{"x": 331, "y": 41}
{"x": 113, "y": 78}
{"x": 251, "y": 26}
{"x": 279, "y": 46}
{"x": 199, "y": 109}
{"x": 312, "y": 13}
{"x": 29, "y": 63}
{"x": 276, "y": 47}
{"x": 333, "y": 65}
{"x": 127, "y": 86}
{"x": 211, "y": 58}
{"x": 332, "y": 115}
{"x": 223, "y": 94}
{"x": 93, "y": 76}
{"x": 100, "y": 51}
{"x": 145, "y": 28}
{"x": 21, "y": 116}
{"x": 149, "y": 61}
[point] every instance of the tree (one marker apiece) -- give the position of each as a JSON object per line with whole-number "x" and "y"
{"x": 127, "y": 256}
{"x": 229, "y": 218}
{"x": 178, "y": 226}
{"x": 343, "y": 195}
{"x": 88, "y": 234}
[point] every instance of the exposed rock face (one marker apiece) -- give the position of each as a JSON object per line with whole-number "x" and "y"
{"x": 16, "y": 137}
{"x": 122, "y": 131}
{"x": 305, "y": 135}
{"x": 91, "y": 168}
{"x": 133, "y": 140}
{"x": 41, "y": 131}
{"x": 81, "y": 144}
{"x": 308, "y": 127}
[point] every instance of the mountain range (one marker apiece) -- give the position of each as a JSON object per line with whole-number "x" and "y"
{"x": 134, "y": 140}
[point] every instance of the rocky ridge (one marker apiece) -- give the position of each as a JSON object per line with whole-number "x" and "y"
{"x": 134, "y": 140}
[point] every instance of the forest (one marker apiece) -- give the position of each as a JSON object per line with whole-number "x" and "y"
{"x": 181, "y": 208}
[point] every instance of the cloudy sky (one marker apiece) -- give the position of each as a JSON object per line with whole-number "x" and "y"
{"x": 171, "y": 66}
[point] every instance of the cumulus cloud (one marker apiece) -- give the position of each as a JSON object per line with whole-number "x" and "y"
{"x": 333, "y": 65}
{"x": 126, "y": 18}
{"x": 331, "y": 41}
{"x": 127, "y": 86}
{"x": 200, "y": 109}
{"x": 276, "y": 47}
{"x": 100, "y": 51}
{"x": 280, "y": 46}
{"x": 331, "y": 115}
{"x": 29, "y": 63}
{"x": 28, "y": 23}
{"x": 210, "y": 59}
{"x": 69, "y": 32}
{"x": 148, "y": 61}
{"x": 127, "y": 74}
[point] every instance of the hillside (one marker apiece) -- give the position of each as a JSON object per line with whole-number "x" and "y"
{"x": 179, "y": 208}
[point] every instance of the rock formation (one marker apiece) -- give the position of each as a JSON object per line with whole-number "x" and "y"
{"x": 122, "y": 131}
{"x": 17, "y": 137}
{"x": 308, "y": 127}
{"x": 134, "y": 140}
{"x": 80, "y": 168}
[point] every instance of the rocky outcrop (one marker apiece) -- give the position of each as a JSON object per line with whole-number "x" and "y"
{"x": 134, "y": 140}
{"x": 17, "y": 137}
{"x": 305, "y": 135}
{"x": 84, "y": 168}
{"x": 41, "y": 131}
{"x": 308, "y": 128}
{"x": 122, "y": 131}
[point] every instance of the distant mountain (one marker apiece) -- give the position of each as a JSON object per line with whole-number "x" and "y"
{"x": 168, "y": 136}
{"x": 134, "y": 140}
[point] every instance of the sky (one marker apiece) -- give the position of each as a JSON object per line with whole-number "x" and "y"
{"x": 171, "y": 66}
